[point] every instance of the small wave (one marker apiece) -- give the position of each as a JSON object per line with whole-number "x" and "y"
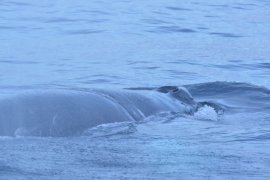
{"x": 173, "y": 29}
{"x": 236, "y": 96}
{"x": 221, "y": 87}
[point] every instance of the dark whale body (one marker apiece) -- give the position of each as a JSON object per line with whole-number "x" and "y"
{"x": 67, "y": 113}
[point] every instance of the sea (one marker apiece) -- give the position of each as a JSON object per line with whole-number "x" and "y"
{"x": 217, "y": 50}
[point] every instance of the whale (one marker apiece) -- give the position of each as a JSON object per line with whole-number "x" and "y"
{"x": 59, "y": 113}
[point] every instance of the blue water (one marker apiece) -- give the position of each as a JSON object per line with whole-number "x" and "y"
{"x": 217, "y": 50}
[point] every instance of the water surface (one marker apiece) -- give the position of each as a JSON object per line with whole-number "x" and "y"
{"x": 112, "y": 45}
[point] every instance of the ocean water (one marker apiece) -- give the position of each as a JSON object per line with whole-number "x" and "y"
{"x": 80, "y": 94}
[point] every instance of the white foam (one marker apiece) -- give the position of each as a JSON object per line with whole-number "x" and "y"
{"x": 111, "y": 129}
{"x": 206, "y": 113}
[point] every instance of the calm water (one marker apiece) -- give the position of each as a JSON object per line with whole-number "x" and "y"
{"x": 113, "y": 45}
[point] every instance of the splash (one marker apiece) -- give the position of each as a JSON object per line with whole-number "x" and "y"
{"x": 206, "y": 113}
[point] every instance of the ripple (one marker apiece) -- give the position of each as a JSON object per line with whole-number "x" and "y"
{"x": 4, "y": 27}
{"x": 178, "y": 8}
{"x": 17, "y": 62}
{"x": 155, "y": 21}
{"x": 211, "y": 16}
{"x": 148, "y": 67}
{"x": 60, "y": 20}
{"x": 264, "y": 65}
{"x": 5, "y": 169}
{"x": 137, "y": 62}
{"x": 238, "y": 66}
{"x": 69, "y": 20}
{"x": 92, "y": 12}
{"x": 160, "y": 13}
{"x": 246, "y": 4}
{"x": 202, "y": 28}
{"x": 185, "y": 62}
{"x": 178, "y": 73}
{"x": 98, "y": 81}
{"x": 240, "y": 8}
{"x": 18, "y": 3}
{"x": 84, "y": 31}
{"x": 219, "y": 5}
{"x": 227, "y": 35}
{"x": 173, "y": 29}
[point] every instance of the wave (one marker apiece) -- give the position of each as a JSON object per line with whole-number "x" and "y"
{"x": 70, "y": 112}
{"x": 233, "y": 96}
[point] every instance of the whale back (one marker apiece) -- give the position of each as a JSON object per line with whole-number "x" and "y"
{"x": 57, "y": 114}
{"x": 70, "y": 112}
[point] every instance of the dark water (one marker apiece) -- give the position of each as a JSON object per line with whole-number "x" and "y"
{"x": 217, "y": 50}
